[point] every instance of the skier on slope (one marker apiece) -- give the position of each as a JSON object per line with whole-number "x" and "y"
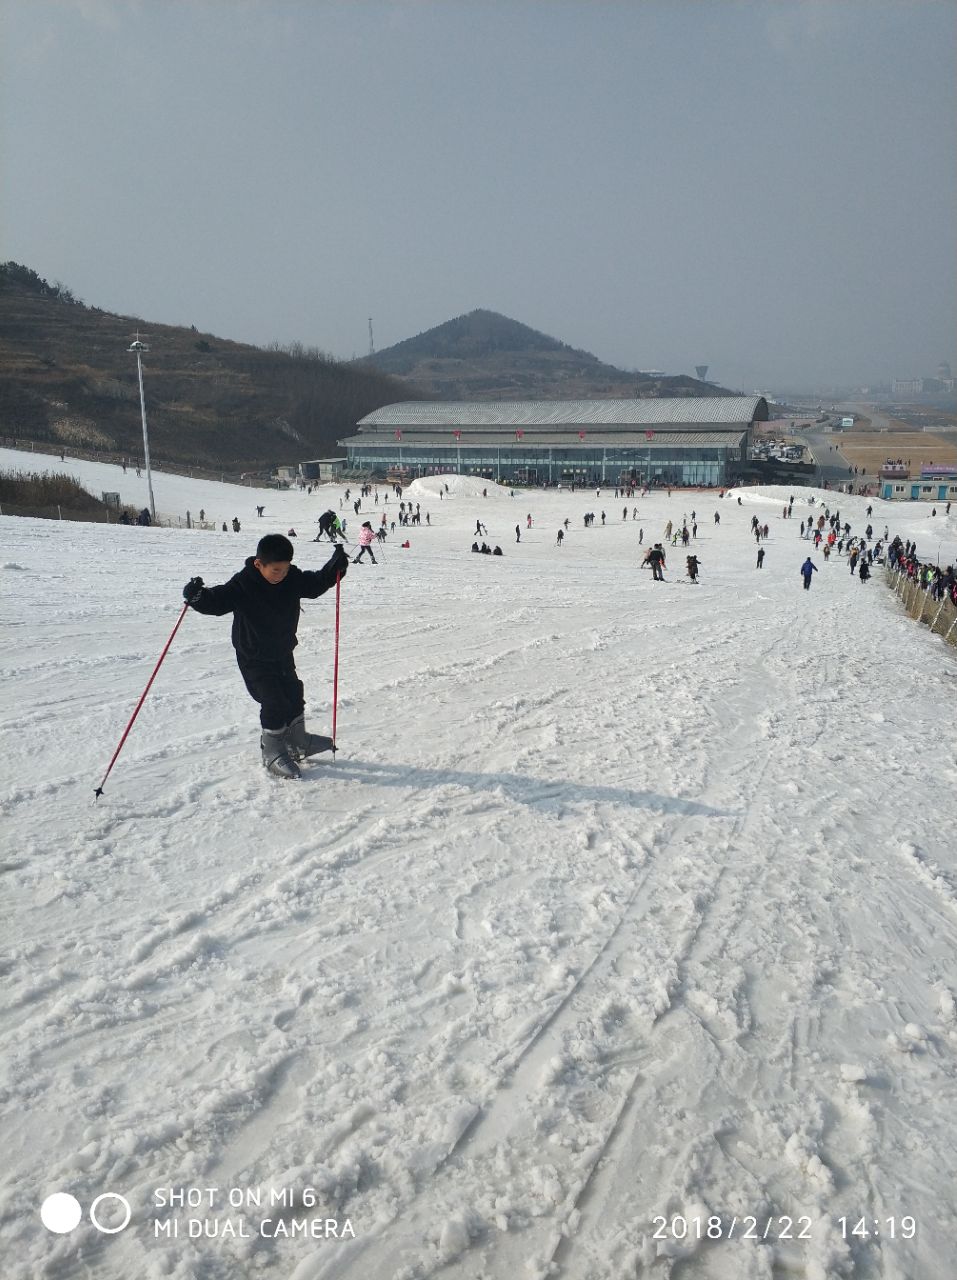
{"x": 264, "y": 599}
{"x": 327, "y": 525}
{"x": 807, "y": 568}
{"x": 365, "y": 543}
{"x": 692, "y": 563}
{"x": 655, "y": 556}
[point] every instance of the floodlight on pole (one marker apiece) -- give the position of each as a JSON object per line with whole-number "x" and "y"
{"x": 139, "y": 347}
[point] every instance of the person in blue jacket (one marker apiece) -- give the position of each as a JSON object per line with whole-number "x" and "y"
{"x": 807, "y": 568}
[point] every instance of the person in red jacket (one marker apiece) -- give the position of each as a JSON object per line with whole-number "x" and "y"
{"x": 264, "y": 599}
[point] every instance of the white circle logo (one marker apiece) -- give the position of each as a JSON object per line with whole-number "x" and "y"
{"x": 111, "y": 1195}
{"x": 61, "y": 1212}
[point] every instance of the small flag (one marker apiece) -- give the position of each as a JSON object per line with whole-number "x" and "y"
{"x": 519, "y": 434}
{"x": 581, "y": 435}
{"x": 398, "y": 433}
{"x": 649, "y": 435}
{"x": 457, "y": 434}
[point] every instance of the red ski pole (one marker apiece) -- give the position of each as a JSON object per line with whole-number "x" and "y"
{"x": 335, "y": 667}
{"x": 98, "y": 791}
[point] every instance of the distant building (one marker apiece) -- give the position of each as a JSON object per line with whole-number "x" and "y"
{"x": 907, "y": 386}
{"x": 322, "y": 469}
{"x": 687, "y": 441}
{"x": 311, "y": 472}
{"x": 934, "y": 484}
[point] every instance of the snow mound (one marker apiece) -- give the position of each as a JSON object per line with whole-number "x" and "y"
{"x": 458, "y": 487}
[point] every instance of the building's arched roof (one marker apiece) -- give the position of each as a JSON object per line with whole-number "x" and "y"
{"x": 711, "y": 410}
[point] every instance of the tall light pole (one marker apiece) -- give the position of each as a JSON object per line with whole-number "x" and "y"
{"x": 139, "y": 348}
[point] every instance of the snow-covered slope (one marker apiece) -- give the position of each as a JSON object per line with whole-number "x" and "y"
{"x": 626, "y": 916}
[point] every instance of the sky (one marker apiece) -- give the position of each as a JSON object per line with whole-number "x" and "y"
{"x": 626, "y": 908}
{"x": 766, "y": 188}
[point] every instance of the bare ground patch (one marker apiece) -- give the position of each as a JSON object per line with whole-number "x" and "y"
{"x": 866, "y": 450}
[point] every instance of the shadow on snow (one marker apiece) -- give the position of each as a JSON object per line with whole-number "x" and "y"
{"x": 537, "y": 793}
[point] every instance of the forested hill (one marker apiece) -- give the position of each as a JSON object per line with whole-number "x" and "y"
{"x": 68, "y": 379}
{"x": 487, "y": 356}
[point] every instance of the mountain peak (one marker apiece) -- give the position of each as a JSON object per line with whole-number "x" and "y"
{"x": 484, "y": 355}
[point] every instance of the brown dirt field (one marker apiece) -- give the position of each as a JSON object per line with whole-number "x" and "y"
{"x": 863, "y": 449}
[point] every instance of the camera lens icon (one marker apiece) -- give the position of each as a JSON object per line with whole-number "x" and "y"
{"x": 61, "y": 1213}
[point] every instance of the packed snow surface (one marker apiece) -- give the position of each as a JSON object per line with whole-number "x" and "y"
{"x": 617, "y": 941}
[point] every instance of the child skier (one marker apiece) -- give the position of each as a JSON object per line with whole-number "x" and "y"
{"x": 264, "y": 599}
{"x": 365, "y": 543}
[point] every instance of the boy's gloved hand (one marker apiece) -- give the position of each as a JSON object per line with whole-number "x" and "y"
{"x": 339, "y": 562}
{"x": 193, "y": 590}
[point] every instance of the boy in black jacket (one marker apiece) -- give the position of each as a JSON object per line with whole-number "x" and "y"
{"x": 264, "y": 601}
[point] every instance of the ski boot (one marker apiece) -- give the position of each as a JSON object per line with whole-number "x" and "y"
{"x": 276, "y": 757}
{"x": 300, "y": 743}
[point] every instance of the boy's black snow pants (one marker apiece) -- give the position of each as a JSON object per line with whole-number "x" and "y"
{"x": 276, "y": 687}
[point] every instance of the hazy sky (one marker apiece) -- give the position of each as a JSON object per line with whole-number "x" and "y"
{"x": 766, "y": 187}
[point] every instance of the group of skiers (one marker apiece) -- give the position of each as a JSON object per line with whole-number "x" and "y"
{"x": 264, "y": 599}
{"x": 939, "y": 582}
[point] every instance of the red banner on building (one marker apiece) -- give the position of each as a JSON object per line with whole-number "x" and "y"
{"x": 649, "y": 435}
{"x": 398, "y": 433}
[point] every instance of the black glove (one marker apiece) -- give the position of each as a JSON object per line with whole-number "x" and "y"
{"x": 339, "y": 562}
{"x": 193, "y": 590}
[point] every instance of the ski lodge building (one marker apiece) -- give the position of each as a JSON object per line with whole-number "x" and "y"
{"x": 933, "y": 484}
{"x": 688, "y": 441}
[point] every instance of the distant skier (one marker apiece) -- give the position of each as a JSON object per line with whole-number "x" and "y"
{"x": 807, "y": 568}
{"x": 760, "y": 557}
{"x": 365, "y": 543}
{"x": 656, "y": 558}
{"x": 692, "y": 563}
{"x": 264, "y": 599}
{"x": 864, "y": 572}
{"x": 561, "y": 537}
{"x": 236, "y": 525}
{"x": 327, "y": 524}
{"x": 518, "y": 533}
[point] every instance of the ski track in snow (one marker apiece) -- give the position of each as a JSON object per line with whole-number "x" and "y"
{"x": 618, "y": 901}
